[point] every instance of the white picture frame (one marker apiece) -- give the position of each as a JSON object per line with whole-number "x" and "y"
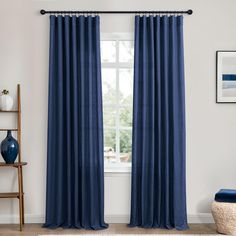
{"x": 225, "y": 76}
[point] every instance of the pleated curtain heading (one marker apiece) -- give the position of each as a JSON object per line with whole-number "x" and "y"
{"x": 158, "y": 153}
{"x": 75, "y": 168}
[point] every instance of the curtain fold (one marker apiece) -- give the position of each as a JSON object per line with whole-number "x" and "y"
{"x": 158, "y": 156}
{"x": 75, "y": 168}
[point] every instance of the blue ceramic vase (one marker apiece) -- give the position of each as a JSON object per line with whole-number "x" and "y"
{"x": 9, "y": 148}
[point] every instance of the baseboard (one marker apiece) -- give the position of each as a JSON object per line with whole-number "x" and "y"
{"x": 119, "y": 219}
{"x": 202, "y": 218}
{"x": 14, "y": 219}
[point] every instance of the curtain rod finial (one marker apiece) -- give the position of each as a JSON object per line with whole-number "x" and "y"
{"x": 42, "y": 12}
{"x": 190, "y": 12}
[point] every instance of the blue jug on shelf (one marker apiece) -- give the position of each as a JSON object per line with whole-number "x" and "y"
{"x": 9, "y": 148}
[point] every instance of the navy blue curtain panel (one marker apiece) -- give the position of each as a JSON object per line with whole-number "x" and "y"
{"x": 75, "y": 169}
{"x": 158, "y": 156}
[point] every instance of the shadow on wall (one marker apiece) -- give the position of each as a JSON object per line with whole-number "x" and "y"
{"x": 204, "y": 205}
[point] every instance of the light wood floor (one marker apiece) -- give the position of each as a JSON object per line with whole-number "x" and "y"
{"x": 36, "y": 229}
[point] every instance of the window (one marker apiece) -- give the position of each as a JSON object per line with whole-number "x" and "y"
{"x": 117, "y": 53}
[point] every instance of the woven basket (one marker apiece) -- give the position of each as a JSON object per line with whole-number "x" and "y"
{"x": 224, "y": 214}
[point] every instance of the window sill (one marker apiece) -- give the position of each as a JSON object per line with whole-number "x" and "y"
{"x": 117, "y": 168}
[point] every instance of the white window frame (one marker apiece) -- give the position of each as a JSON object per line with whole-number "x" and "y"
{"x": 117, "y": 167}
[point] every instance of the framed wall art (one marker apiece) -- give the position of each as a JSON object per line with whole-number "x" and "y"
{"x": 226, "y": 77}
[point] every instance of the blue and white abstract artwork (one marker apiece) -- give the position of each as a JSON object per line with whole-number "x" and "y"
{"x": 229, "y": 85}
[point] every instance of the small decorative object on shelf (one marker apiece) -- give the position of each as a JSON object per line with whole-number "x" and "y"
{"x": 6, "y": 101}
{"x": 9, "y": 148}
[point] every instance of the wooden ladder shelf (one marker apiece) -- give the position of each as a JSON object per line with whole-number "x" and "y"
{"x": 19, "y": 164}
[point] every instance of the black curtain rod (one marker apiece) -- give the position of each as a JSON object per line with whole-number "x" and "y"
{"x": 189, "y": 12}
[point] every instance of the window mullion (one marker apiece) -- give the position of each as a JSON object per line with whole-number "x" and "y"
{"x": 117, "y": 104}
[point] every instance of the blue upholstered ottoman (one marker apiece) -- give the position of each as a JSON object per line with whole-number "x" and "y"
{"x": 224, "y": 211}
{"x": 226, "y": 195}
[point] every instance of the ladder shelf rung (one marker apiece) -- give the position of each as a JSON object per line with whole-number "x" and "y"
{"x": 8, "y": 129}
{"x": 10, "y": 195}
{"x": 16, "y": 164}
{"x": 12, "y": 111}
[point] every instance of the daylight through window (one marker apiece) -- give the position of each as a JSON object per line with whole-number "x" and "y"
{"x": 117, "y": 84}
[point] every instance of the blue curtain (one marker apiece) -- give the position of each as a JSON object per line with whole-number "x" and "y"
{"x": 158, "y": 155}
{"x": 75, "y": 169}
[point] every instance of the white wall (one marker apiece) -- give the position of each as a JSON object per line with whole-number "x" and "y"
{"x": 211, "y": 127}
